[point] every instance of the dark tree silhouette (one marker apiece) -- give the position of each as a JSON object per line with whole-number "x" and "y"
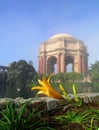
{"x": 19, "y": 75}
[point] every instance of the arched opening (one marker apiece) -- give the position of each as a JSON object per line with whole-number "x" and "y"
{"x": 69, "y": 64}
{"x": 69, "y": 67}
{"x": 51, "y": 65}
{"x": 55, "y": 68}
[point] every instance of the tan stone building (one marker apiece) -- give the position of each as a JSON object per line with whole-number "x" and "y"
{"x": 61, "y": 50}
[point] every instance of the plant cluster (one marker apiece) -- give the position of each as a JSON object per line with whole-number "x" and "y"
{"x": 77, "y": 116}
{"x": 46, "y": 88}
{"x": 14, "y": 117}
{"x": 86, "y": 119}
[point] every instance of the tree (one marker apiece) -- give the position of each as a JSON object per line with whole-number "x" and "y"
{"x": 19, "y": 75}
{"x": 3, "y": 77}
{"x": 75, "y": 77}
{"x": 60, "y": 77}
{"x": 68, "y": 77}
{"x": 94, "y": 72}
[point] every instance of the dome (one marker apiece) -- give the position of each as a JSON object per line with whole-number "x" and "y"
{"x": 61, "y": 35}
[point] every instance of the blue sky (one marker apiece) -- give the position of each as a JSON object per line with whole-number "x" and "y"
{"x": 25, "y": 24}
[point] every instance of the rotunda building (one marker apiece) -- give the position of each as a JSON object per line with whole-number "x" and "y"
{"x": 59, "y": 51}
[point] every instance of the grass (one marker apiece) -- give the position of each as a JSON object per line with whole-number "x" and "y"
{"x": 79, "y": 118}
{"x": 16, "y": 117}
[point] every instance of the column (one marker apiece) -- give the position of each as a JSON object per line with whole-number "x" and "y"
{"x": 83, "y": 64}
{"x": 86, "y": 65}
{"x": 79, "y": 63}
{"x": 41, "y": 65}
{"x": 44, "y": 65}
{"x": 58, "y": 63}
{"x": 63, "y": 63}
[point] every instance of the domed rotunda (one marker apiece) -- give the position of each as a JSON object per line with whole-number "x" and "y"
{"x": 61, "y": 50}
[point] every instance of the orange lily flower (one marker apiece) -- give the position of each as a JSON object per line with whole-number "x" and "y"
{"x": 47, "y": 89}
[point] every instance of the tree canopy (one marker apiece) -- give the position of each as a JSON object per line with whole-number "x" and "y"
{"x": 68, "y": 77}
{"x": 19, "y": 75}
{"x": 94, "y": 72}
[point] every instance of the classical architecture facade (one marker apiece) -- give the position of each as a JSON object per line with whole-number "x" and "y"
{"x": 61, "y": 50}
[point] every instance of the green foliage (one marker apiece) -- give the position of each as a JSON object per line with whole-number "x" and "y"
{"x": 19, "y": 75}
{"x": 76, "y": 101}
{"x": 9, "y": 120}
{"x": 68, "y": 77}
{"x": 34, "y": 82}
{"x": 84, "y": 118}
{"x": 3, "y": 77}
{"x": 67, "y": 80}
{"x": 22, "y": 118}
{"x": 94, "y": 72}
{"x": 96, "y": 118}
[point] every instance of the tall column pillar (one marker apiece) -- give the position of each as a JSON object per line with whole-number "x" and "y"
{"x": 83, "y": 63}
{"x": 58, "y": 63}
{"x": 41, "y": 65}
{"x": 44, "y": 65}
{"x": 86, "y": 65}
{"x": 63, "y": 63}
{"x": 79, "y": 64}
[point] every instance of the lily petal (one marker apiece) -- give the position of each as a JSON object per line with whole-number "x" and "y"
{"x": 53, "y": 93}
{"x": 42, "y": 83}
{"x": 38, "y": 88}
{"x": 41, "y": 92}
{"x": 47, "y": 89}
{"x": 49, "y": 78}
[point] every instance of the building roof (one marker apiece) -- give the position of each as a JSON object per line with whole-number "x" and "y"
{"x": 61, "y": 35}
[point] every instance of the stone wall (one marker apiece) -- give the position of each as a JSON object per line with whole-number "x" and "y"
{"x": 50, "y": 103}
